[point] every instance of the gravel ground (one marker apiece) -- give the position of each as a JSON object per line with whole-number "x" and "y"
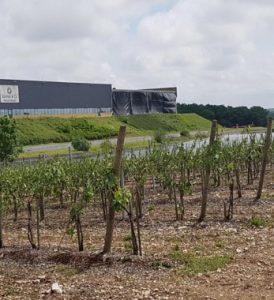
{"x": 29, "y": 274}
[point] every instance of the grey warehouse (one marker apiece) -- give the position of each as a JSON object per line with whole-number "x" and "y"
{"x": 27, "y": 97}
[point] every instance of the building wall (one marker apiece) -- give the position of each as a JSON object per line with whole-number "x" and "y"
{"x": 44, "y": 97}
{"x": 23, "y": 97}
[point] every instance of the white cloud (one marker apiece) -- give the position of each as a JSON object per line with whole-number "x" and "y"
{"x": 215, "y": 51}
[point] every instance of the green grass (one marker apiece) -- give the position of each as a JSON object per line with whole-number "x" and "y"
{"x": 98, "y": 148}
{"x": 191, "y": 264}
{"x": 268, "y": 195}
{"x": 47, "y": 153}
{"x": 259, "y": 222}
{"x": 56, "y": 129}
{"x": 167, "y": 122}
{"x": 66, "y": 271}
{"x": 94, "y": 149}
{"x": 243, "y": 130}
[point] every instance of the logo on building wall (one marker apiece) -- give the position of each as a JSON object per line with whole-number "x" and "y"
{"x": 9, "y": 94}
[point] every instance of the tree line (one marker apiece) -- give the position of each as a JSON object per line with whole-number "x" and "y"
{"x": 271, "y": 113}
{"x": 228, "y": 116}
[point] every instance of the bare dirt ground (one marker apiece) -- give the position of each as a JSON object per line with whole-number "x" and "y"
{"x": 29, "y": 274}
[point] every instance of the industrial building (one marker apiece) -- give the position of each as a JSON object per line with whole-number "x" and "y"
{"x": 25, "y": 97}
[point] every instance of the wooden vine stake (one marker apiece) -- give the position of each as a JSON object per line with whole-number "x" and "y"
{"x": 206, "y": 175}
{"x": 1, "y": 222}
{"x": 117, "y": 170}
{"x": 267, "y": 145}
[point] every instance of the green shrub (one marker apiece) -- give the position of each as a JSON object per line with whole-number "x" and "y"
{"x": 151, "y": 208}
{"x": 159, "y": 136}
{"x": 185, "y": 132}
{"x": 80, "y": 144}
{"x": 106, "y": 146}
{"x": 128, "y": 247}
{"x": 124, "y": 119}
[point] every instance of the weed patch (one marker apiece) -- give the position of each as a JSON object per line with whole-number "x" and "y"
{"x": 190, "y": 264}
{"x": 258, "y": 222}
{"x": 66, "y": 271}
{"x": 162, "y": 265}
{"x": 220, "y": 244}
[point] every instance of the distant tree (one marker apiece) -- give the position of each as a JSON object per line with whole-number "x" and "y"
{"x": 228, "y": 116}
{"x": 9, "y": 144}
{"x": 271, "y": 113}
{"x": 258, "y": 115}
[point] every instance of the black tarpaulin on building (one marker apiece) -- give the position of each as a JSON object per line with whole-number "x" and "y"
{"x": 138, "y": 102}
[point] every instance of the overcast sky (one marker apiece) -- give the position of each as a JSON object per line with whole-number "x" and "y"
{"x": 214, "y": 51}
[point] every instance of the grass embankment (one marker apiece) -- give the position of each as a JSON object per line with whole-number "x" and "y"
{"x": 167, "y": 122}
{"x": 43, "y": 130}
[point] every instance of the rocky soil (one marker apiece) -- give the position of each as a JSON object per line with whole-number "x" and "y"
{"x": 58, "y": 271}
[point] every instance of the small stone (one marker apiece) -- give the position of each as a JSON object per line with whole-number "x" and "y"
{"x": 146, "y": 293}
{"x": 36, "y": 281}
{"x": 232, "y": 230}
{"x": 247, "y": 286}
{"x": 182, "y": 227}
{"x": 56, "y": 289}
{"x": 21, "y": 281}
{"x": 42, "y": 277}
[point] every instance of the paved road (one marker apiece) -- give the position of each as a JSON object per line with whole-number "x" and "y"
{"x": 60, "y": 146}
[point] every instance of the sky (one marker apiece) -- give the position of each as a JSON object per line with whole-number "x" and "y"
{"x": 214, "y": 51}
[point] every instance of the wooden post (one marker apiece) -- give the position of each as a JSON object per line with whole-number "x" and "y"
{"x": 206, "y": 176}
{"x": 138, "y": 228}
{"x": 1, "y": 223}
{"x": 267, "y": 145}
{"x": 70, "y": 155}
{"x": 122, "y": 185}
{"x": 38, "y": 224}
{"x": 117, "y": 168}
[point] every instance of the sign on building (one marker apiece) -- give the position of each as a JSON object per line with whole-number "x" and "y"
{"x": 9, "y": 94}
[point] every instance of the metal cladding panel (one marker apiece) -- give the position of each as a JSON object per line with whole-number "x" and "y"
{"x": 46, "y": 94}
